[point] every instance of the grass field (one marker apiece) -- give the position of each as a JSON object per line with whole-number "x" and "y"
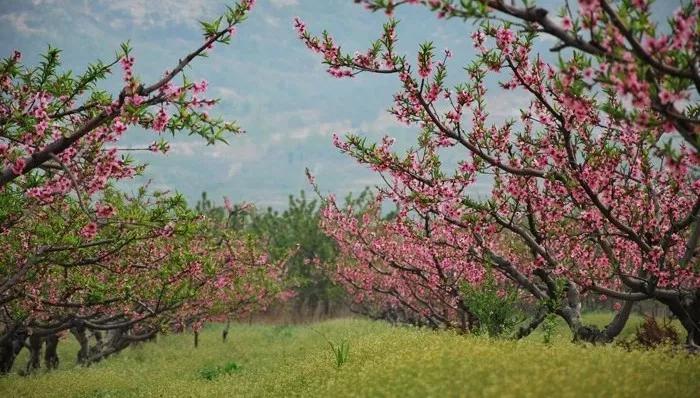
{"x": 281, "y": 361}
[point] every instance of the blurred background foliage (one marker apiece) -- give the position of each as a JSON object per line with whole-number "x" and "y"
{"x": 295, "y": 228}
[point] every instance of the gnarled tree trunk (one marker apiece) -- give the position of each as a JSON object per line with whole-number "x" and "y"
{"x": 34, "y": 345}
{"x": 80, "y": 334}
{"x": 51, "y": 352}
{"x": 11, "y": 343}
{"x": 569, "y": 309}
{"x": 687, "y": 309}
{"x": 118, "y": 340}
{"x": 99, "y": 343}
{"x": 525, "y": 330}
{"x": 571, "y": 312}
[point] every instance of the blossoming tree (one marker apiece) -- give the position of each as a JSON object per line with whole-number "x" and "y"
{"x": 76, "y": 254}
{"x": 405, "y": 276}
{"x": 595, "y": 187}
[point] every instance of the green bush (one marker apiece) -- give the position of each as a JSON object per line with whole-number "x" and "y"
{"x": 494, "y": 305}
{"x": 213, "y": 372}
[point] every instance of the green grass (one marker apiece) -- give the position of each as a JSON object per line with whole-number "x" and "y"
{"x": 269, "y": 361}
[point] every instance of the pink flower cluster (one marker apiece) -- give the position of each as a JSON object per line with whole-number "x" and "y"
{"x": 127, "y": 64}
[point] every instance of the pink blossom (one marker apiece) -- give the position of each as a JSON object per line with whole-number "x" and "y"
{"x": 89, "y": 230}
{"x": 666, "y": 97}
{"x": 127, "y": 64}
{"x": 104, "y": 210}
{"x": 566, "y": 23}
{"x": 161, "y": 120}
{"x": 199, "y": 88}
{"x": 18, "y": 166}
{"x": 504, "y": 38}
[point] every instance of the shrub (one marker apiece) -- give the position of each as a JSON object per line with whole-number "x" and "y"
{"x": 493, "y": 305}
{"x": 652, "y": 334}
{"x": 213, "y": 372}
{"x": 549, "y": 326}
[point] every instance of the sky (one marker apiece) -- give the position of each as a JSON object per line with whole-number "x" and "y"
{"x": 267, "y": 81}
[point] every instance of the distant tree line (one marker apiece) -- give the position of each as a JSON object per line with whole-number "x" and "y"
{"x": 293, "y": 229}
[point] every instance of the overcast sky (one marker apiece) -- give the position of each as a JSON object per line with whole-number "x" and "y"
{"x": 267, "y": 80}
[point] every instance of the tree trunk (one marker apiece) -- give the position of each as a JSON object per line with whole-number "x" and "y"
{"x": 117, "y": 341}
{"x": 51, "y": 352}
{"x": 196, "y": 339}
{"x": 470, "y": 323}
{"x": 224, "y": 333}
{"x": 571, "y": 312}
{"x": 81, "y": 336}
{"x": 687, "y": 310}
{"x": 525, "y": 330}
{"x": 34, "y": 346}
{"x": 298, "y": 308}
{"x": 11, "y": 344}
{"x": 304, "y": 309}
{"x": 463, "y": 325}
{"x": 318, "y": 310}
{"x": 569, "y": 308}
{"x": 99, "y": 343}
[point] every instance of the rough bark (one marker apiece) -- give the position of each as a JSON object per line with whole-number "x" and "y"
{"x": 569, "y": 309}
{"x": 81, "y": 336}
{"x": 224, "y": 333}
{"x": 526, "y": 329}
{"x": 571, "y": 312}
{"x": 51, "y": 352}
{"x": 687, "y": 309}
{"x": 327, "y": 308}
{"x": 99, "y": 343}
{"x": 11, "y": 343}
{"x": 118, "y": 340}
{"x": 34, "y": 344}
